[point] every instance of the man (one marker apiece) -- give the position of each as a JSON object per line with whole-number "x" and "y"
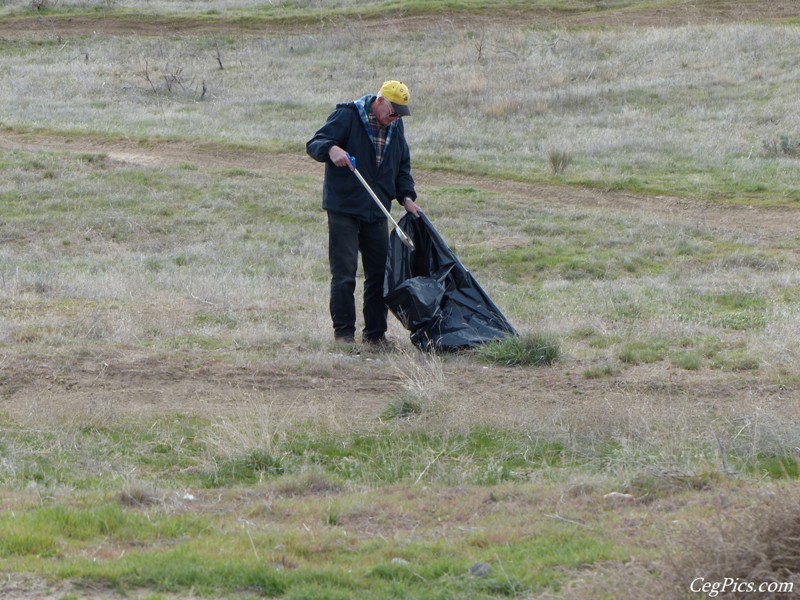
{"x": 369, "y": 129}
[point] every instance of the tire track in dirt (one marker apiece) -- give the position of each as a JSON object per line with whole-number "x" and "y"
{"x": 694, "y": 13}
{"x": 766, "y": 223}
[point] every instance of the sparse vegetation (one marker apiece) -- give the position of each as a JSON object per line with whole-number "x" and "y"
{"x": 525, "y": 350}
{"x": 783, "y": 146}
{"x": 173, "y": 419}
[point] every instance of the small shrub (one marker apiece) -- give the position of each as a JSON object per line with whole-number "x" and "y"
{"x": 559, "y": 161}
{"x": 262, "y": 460}
{"x": 528, "y": 350}
{"x": 754, "y": 544}
{"x": 138, "y": 496}
{"x": 332, "y": 518}
{"x": 312, "y": 479}
{"x": 663, "y": 484}
{"x": 402, "y": 408}
{"x": 255, "y": 466}
{"x": 783, "y": 146}
{"x": 502, "y": 108}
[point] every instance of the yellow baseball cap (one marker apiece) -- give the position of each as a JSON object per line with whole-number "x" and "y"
{"x": 397, "y": 94}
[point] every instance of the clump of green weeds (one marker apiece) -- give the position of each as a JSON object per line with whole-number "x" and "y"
{"x": 600, "y": 371}
{"x": 559, "y": 161}
{"x": 527, "y": 350}
{"x": 642, "y": 352}
{"x": 403, "y": 407}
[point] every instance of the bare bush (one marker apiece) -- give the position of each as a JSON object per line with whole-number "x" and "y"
{"x": 759, "y": 544}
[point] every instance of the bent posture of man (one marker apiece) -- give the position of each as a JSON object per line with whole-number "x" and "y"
{"x": 370, "y": 130}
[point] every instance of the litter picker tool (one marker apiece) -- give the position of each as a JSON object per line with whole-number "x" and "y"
{"x": 401, "y": 234}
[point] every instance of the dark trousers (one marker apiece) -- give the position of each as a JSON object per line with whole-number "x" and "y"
{"x": 347, "y": 236}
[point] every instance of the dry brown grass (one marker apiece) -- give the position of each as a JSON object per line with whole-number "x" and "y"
{"x": 728, "y": 541}
{"x": 754, "y": 539}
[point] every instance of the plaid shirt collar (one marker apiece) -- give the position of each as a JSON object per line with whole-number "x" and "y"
{"x": 380, "y": 136}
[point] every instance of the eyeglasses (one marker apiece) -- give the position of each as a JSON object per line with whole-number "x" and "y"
{"x": 393, "y": 114}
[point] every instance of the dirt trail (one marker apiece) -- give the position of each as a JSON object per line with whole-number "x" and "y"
{"x": 763, "y": 223}
{"x": 690, "y": 13}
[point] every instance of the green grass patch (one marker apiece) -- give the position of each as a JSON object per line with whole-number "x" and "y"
{"x": 296, "y": 499}
{"x": 642, "y": 352}
{"x": 600, "y": 371}
{"x": 735, "y": 359}
{"x": 573, "y": 249}
{"x": 51, "y": 531}
{"x": 537, "y": 557}
{"x": 255, "y": 466}
{"x": 774, "y": 466}
{"x": 202, "y": 342}
{"x": 520, "y": 351}
{"x": 384, "y": 455}
{"x": 402, "y": 408}
{"x": 216, "y": 320}
{"x": 690, "y": 361}
{"x": 735, "y": 311}
{"x": 432, "y": 569}
{"x": 18, "y": 541}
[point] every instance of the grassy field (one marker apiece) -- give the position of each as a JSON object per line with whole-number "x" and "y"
{"x": 620, "y": 177}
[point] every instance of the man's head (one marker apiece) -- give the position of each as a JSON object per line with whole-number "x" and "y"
{"x": 397, "y": 95}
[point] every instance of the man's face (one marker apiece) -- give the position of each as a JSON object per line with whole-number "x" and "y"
{"x": 384, "y": 112}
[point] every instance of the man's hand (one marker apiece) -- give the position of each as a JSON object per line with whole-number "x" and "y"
{"x": 339, "y": 157}
{"x": 411, "y": 207}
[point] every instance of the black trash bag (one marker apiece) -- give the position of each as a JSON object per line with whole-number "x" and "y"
{"x": 434, "y": 296}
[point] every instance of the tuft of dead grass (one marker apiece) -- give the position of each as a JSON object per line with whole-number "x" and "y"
{"x": 251, "y": 429}
{"x": 745, "y": 540}
{"x": 757, "y": 544}
{"x": 425, "y": 390}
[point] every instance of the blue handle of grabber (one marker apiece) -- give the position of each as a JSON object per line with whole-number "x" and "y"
{"x": 352, "y": 160}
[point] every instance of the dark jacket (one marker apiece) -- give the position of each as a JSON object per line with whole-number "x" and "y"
{"x": 342, "y": 192}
